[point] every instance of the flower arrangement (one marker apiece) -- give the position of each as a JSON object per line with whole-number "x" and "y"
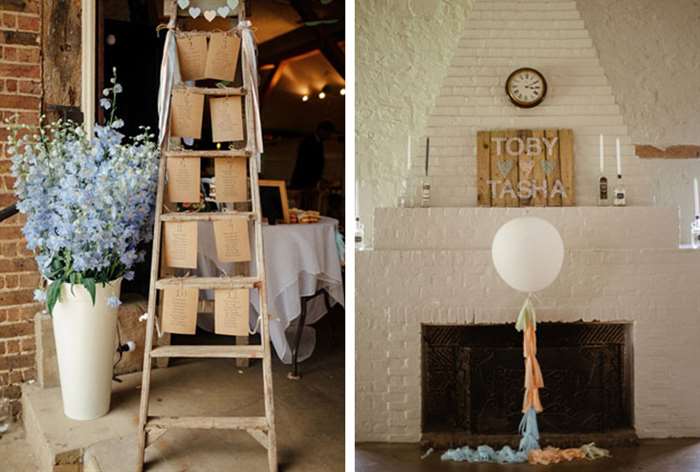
{"x": 89, "y": 199}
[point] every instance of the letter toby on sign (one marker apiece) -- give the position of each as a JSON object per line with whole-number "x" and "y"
{"x": 525, "y": 168}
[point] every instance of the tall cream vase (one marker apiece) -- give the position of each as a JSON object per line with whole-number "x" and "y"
{"x": 85, "y": 344}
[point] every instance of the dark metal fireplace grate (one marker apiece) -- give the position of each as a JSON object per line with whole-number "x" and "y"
{"x": 473, "y": 378}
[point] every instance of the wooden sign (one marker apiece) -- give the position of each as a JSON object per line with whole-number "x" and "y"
{"x": 232, "y": 239}
{"x": 180, "y": 244}
{"x": 222, "y": 56}
{"x": 231, "y": 180}
{"x": 183, "y": 179}
{"x": 186, "y": 111}
{"x": 231, "y": 312}
{"x": 192, "y": 55}
{"x": 226, "y": 119}
{"x": 180, "y": 310}
{"x": 525, "y": 168}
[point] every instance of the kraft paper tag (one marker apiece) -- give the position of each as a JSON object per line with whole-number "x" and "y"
{"x": 222, "y": 56}
{"x": 231, "y": 180}
{"x": 192, "y": 56}
{"x": 180, "y": 310}
{"x": 183, "y": 179}
{"x": 232, "y": 240}
{"x": 226, "y": 119}
{"x": 186, "y": 110}
{"x": 231, "y": 312}
{"x": 180, "y": 244}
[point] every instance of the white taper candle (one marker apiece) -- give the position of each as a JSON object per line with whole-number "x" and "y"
{"x": 619, "y": 157}
{"x": 602, "y": 159}
{"x": 697, "y": 198}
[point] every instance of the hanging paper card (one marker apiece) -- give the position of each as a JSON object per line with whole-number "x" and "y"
{"x": 180, "y": 310}
{"x": 180, "y": 244}
{"x": 232, "y": 241}
{"x": 226, "y": 119}
{"x": 231, "y": 308}
{"x": 231, "y": 180}
{"x": 186, "y": 115}
{"x": 192, "y": 56}
{"x": 222, "y": 56}
{"x": 183, "y": 179}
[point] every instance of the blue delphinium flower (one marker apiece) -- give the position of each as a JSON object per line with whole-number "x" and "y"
{"x": 88, "y": 199}
{"x": 113, "y": 302}
{"x": 39, "y": 295}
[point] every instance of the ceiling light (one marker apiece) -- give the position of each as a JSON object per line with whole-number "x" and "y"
{"x": 342, "y": 91}
{"x": 305, "y": 98}
{"x": 322, "y": 95}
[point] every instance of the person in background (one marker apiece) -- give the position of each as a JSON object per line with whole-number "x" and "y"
{"x": 308, "y": 170}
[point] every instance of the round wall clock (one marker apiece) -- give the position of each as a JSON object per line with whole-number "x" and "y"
{"x": 526, "y": 87}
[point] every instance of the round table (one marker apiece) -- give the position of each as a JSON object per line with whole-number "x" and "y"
{"x": 300, "y": 260}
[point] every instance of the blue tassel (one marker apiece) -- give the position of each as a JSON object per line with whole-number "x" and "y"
{"x": 530, "y": 432}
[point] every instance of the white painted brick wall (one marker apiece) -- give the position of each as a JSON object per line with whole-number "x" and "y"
{"x": 434, "y": 266}
{"x": 498, "y": 38}
{"x": 474, "y": 228}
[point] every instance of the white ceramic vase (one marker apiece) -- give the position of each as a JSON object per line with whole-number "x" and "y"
{"x": 85, "y": 344}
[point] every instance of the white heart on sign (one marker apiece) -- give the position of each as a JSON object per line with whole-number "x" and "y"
{"x": 223, "y": 11}
{"x": 183, "y": 3}
{"x": 210, "y": 15}
{"x": 232, "y": 4}
{"x": 194, "y": 12}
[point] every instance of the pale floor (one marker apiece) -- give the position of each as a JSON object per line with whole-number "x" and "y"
{"x": 662, "y": 455}
{"x": 310, "y": 419}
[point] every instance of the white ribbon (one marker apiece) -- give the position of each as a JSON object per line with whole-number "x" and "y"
{"x": 169, "y": 75}
{"x": 249, "y": 63}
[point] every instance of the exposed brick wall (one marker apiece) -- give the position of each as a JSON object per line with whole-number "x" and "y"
{"x": 20, "y": 96}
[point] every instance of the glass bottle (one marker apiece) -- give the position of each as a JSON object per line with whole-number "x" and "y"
{"x": 425, "y": 194}
{"x": 359, "y": 235}
{"x": 619, "y": 193}
{"x": 695, "y": 232}
{"x": 603, "y": 194}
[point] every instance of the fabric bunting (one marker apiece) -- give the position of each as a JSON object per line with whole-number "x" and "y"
{"x": 529, "y": 449}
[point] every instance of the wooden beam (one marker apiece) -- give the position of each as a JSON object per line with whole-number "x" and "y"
{"x": 335, "y": 56}
{"x": 678, "y": 151}
{"x": 299, "y": 41}
{"x": 328, "y": 45}
{"x": 60, "y": 39}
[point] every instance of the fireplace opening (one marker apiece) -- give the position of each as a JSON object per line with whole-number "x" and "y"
{"x": 472, "y": 381}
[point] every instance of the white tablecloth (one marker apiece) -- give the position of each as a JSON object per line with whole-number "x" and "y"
{"x": 300, "y": 259}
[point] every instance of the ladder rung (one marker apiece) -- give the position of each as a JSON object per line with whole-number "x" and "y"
{"x": 221, "y": 91}
{"x": 226, "y": 352}
{"x": 208, "y": 282}
{"x": 205, "y": 216}
{"x": 208, "y": 422}
{"x": 208, "y": 153}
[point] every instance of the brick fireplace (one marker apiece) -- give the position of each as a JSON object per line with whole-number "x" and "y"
{"x": 472, "y": 383}
{"x": 432, "y": 267}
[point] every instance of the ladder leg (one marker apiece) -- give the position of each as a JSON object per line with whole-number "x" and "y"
{"x": 150, "y": 324}
{"x": 267, "y": 389}
{"x": 265, "y": 319}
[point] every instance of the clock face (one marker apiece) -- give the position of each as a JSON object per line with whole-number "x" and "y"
{"x": 526, "y": 87}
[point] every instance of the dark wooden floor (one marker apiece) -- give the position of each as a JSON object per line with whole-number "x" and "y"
{"x": 662, "y": 455}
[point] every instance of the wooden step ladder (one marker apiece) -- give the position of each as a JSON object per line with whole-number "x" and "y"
{"x": 262, "y": 428}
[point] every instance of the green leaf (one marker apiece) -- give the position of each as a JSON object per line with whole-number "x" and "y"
{"x": 52, "y": 294}
{"x": 89, "y": 284}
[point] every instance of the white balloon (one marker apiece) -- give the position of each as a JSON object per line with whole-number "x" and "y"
{"x": 528, "y": 253}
